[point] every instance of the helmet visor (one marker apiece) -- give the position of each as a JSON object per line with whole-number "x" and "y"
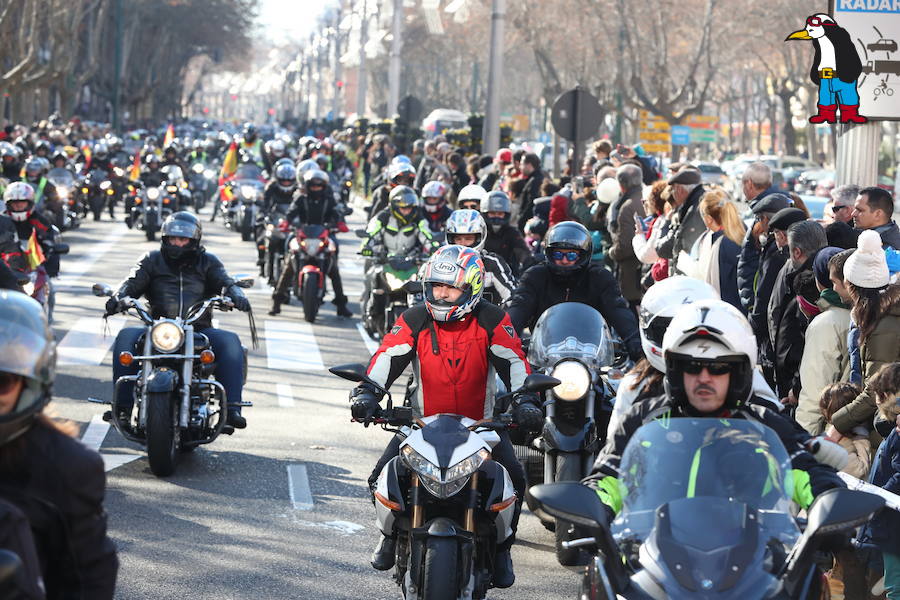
{"x": 26, "y": 351}
{"x": 180, "y": 228}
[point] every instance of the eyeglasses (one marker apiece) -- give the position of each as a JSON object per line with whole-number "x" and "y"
{"x": 571, "y": 255}
{"x": 8, "y": 381}
{"x": 713, "y": 367}
{"x": 816, "y": 22}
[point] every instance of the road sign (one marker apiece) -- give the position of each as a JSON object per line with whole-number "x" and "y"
{"x": 576, "y": 115}
{"x": 655, "y": 148}
{"x": 655, "y": 136}
{"x": 681, "y": 135}
{"x": 660, "y": 125}
{"x": 410, "y": 109}
{"x": 874, "y": 27}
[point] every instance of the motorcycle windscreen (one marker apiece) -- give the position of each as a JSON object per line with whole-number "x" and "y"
{"x": 571, "y": 330}
{"x": 736, "y": 460}
{"x": 247, "y": 171}
{"x": 60, "y": 177}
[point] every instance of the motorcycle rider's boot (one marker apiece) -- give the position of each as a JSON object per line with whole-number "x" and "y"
{"x": 236, "y": 420}
{"x": 503, "y": 569}
{"x": 276, "y": 307}
{"x": 385, "y": 553}
{"x": 343, "y": 311}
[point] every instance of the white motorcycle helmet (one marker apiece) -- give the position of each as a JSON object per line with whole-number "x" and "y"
{"x": 710, "y": 331}
{"x": 660, "y": 304}
{"x": 467, "y": 222}
{"x": 472, "y": 192}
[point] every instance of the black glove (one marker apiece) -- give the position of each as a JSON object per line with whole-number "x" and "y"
{"x": 113, "y": 306}
{"x": 364, "y": 403}
{"x": 527, "y": 412}
{"x": 239, "y": 299}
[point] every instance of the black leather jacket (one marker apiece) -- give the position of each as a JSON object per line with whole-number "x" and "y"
{"x": 319, "y": 209}
{"x": 275, "y": 196}
{"x": 172, "y": 289}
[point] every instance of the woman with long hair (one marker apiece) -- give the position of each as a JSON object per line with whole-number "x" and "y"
{"x": 719, "y": 247}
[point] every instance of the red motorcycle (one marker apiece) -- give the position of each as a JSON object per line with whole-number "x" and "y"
{"x": 312, "y": 253}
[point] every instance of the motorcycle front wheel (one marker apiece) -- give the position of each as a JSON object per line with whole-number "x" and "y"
{"x": 162, "y": 434}
{"x": 309, "y": 296}
{"x": 440, "y": 578}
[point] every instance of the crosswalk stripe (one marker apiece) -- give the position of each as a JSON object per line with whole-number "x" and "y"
{"x": 86, "y": 343}
{"x": 371, "y": 344}
{"x": 93, "y": 438}
{"x": 285, "y": 395}
{"x": 291, "y": 346}
{"x": 298, "y": 487}
{"x": 73, "y": 270}
{"x": 350, "y": 266}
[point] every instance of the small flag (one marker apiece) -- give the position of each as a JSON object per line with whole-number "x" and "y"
{"x": 86, "y": 151}
{"x": 33, "y": 254}
{"x": 229, "y": 164}
{"x": 170, "y": 135}
{"x": 135, "y": 172}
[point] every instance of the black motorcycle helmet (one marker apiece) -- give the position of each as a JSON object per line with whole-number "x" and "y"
{"x": 152, "y": 161}
{"x": 29, "y": 353}
{"x": 171, "y": 151}
{"x": 568, "y": 236}
{"x": 181, "y": 224}
{"x": 314, "y": 178}
{"x": 33, "y": 170}
{"x": 42, "y": 148}
{"x": 286, "y": 176}
{"x": 249, "y": 133}
{"x": 58, "y": 156}
{"x": 404, "y": 196}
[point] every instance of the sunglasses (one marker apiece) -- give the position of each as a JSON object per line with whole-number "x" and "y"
{"x": 8, "y": 381}
{"x": 571, "y": 255}
{"x": 316, "y": 186}
{"x": 694, "y": 367}
{"x": 816, "y": 22}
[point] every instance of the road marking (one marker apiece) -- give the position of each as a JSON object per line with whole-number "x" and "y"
{"x": 285, "y": 395}
{"x": 298, "y": 487}
{"x": 371, "y": 344}
{"x": 350, "y": 266}
{"x": 86, "y": 343}
{"x": 93, "y": 438}
{"x": 260, "y": 286}
{"x": 291, "y": 346}
{"x": 73, "y": 270}
{"x": 215, "y": 323}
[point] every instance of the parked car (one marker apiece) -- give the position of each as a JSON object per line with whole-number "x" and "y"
{"x": 712, "y": 173}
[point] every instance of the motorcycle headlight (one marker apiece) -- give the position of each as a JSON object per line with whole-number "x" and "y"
{"x": 105, "y": 185}
{"x": 452, "y": 481}
{"x": 394, "y": 282}
{"x": 62, "y": 192}
{"x": 152, "y": 193}
{"x": 166, "y": 336}
{"x": 575, "y": 378}
{"x": 197, "y": 168}
{"x": 466, "y": 466}
{"x": 248, "y": 192}
{"x": 172, "y": 189}
{"x": 312, "y": 246}
{"x": 420, "y": 464}
{"x": 209, "y": 173}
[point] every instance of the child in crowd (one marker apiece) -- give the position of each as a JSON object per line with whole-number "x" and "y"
{"x": 856, "y": 441}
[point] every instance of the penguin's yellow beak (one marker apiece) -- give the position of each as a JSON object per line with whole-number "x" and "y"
{"x": 799, "y": 35}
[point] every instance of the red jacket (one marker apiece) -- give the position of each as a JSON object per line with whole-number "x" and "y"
{"x": 457, "y": 373}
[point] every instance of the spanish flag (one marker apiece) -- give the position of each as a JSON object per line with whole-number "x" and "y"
{"x": 86, "y": 151}
{"x": 33, "y": 254}
{"x": 170, "y": 135}
{"x": 135, "y": 173}
{"x": 229, "y": 164}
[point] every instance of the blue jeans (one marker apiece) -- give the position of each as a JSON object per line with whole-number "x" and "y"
{"x": 892, "y": 575}
{"x": 834, "y": 91}
{"x": 229, "y": 364}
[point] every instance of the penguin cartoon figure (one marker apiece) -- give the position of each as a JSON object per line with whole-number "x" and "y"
{"x": 835, "y": 69}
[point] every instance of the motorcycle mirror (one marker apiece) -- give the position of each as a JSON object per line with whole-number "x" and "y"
{"x": 352, "y": 372}
{"x": 244, "y": 281}
{"x": 360, "y": 233}
{"x": 60, "y": 248}
{"x": 570, "y": 501}
{"x": 538, "y": 382}
{"x": 413, "y": 287}
{"x": 839, "y": 509}
{"x": 101, "y": 289}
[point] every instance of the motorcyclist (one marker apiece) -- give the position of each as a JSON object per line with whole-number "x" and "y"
{"x": 314, "y": 205}
{"x": 568, "y": 275}
{"x": 99, "y": 159}
{"x": 174, "y": 278}
{"x": 19, "y": 199}
{"x": 170, "y": 157}
{"x": 658, "y": 307}
{"x": 710, "y": 355}
{"x": 434, "y": 197}
{"x": 42, "y": 149}
{"x": 453, "y": 327}
{"x": 503, "y": 239}
{"x": 54, "y": 479}
{"x": 470, "y": 197}
{"x": 277, "y": 198}
{"x": 340, "y": 164}
{"x": 45, "y": 194}
{"x": 273, "y": 151}
{"x": 397, "y": 230}
{"x": 251, "y": 146}
{"x": 399, "y": 174}
{"x": 12, "y": 164}
{"x": 152, "y": 176}
{"x": 59, "y": 160}
{"x": 467, "y": 228}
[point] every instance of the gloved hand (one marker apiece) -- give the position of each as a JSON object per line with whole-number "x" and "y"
{"x": 364, "y": 403}
{"x": 239, "y": 299}
{"x": 366, "y": 251}
{"x": 527, "y": 412}
{"x": 342, "y": 227}
{"x": 113, "y": 306}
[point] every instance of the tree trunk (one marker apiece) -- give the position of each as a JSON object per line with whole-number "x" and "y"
{"x": 788, "y": 133}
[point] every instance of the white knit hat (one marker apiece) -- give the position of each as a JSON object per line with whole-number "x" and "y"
{"x": 867, "y": 267}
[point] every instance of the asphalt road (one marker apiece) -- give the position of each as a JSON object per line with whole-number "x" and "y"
{"x": 278, "y": 510}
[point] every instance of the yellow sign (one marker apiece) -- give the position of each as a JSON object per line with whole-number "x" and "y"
{"x": 654, "y": 148}
{"x": 647, "y": 115}
{"x": 655, "y": 136}
{"x": 706, "y": 120}
{"x": 657, "y": 125}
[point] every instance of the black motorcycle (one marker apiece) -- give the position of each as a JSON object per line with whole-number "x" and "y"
{"x": 178, "y": 403}
{"x": 706, "y": 513}
{"x": 448, "y": 517}
{"x": 274, "y": 238}
{"x": 94, "y": 191}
